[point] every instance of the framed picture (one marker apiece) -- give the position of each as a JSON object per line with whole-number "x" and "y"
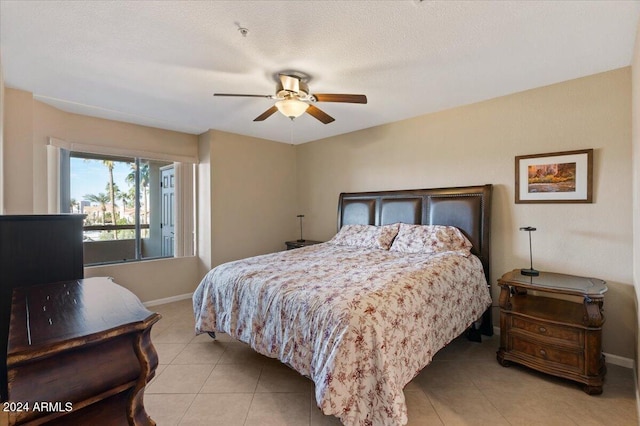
{"x": 557, "y": 177}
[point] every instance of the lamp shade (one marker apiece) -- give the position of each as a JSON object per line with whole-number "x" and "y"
{"x": 292, "y": 108}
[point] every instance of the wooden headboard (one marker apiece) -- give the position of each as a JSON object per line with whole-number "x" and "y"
{"x": 467, "y": 208}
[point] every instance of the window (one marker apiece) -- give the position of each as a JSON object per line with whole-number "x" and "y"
{"x": 129, "y": 203}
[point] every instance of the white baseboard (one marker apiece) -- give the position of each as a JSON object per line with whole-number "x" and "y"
{"x": 168, "y": 299}
{"x": 609, "y": 358}
{"x": 619, "y": 360}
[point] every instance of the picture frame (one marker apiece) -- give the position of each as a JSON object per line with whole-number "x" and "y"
{"x": 556, "y": 177}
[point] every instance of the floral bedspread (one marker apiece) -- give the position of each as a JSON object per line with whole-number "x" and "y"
{"x": 361, "y": 323}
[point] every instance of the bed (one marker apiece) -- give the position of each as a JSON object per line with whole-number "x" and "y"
{"x": 362, "y": 314}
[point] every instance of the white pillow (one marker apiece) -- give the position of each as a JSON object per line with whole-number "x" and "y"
{"x": 430, "y": 239}
{"x": 366, "y": 236}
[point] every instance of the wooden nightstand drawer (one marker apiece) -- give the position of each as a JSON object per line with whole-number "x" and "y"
{"x": 568, "y": 334}
{"x": 569, "y": 359}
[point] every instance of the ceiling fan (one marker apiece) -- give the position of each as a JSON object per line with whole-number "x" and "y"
{"x": 294, "y": 99}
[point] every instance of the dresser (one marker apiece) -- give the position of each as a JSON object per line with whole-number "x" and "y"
{"x": 79, "y": 353}
{"x": 553, "y": 323}
{"x": 35, "y": 249}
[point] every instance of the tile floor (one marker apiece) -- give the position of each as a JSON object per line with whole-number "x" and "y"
{"x": 204, "y": 382}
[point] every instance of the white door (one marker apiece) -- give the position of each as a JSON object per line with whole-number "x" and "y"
{"x": 167, "y": 183}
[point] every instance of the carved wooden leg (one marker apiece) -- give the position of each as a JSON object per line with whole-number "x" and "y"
{"x": 592, "y": 390}
{"x": 500, "y": 357}
{"x": 148, "y": 358}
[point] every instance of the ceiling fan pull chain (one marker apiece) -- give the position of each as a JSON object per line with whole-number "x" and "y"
{"x": 291, "y": 132}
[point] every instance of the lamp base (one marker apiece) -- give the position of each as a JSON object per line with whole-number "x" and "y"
{"x": 530, "y": 272}
{"x": 301, "y": 241}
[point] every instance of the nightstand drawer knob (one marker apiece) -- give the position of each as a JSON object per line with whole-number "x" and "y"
{"x": 542, "y": 330}
{"x": 543, "y": 352}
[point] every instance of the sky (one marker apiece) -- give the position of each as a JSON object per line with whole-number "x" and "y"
{"x": 92, "y": 176}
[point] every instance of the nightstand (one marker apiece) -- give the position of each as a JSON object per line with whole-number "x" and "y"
{"x": 561, "y": 335}
{"x": 297, "y": 244}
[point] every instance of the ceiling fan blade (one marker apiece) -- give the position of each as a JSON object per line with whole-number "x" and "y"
{"x": 319, "y": 114}
{"x": 246, "y": 96}
{"x": 352, "y": 99}
{"x": 266, "y": 114}
{"x": 290, "y": 83}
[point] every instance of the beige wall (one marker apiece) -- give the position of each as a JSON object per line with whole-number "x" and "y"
{"x": 18, "y": 152}
{"x": 29, "y": 124}
{"x": 152, "y": 279}
{"x": 635, "y": 84}
{"x": 476, "y": 144}
{"x": 248, "y": 200}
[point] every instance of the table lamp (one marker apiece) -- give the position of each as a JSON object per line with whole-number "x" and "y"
{"x": 301, "y": 240}
{"x": 529, "y": 272}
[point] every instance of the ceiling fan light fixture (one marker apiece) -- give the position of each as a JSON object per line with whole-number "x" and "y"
{"x": 294, "y": 98}
{"x": 292, "y": 108}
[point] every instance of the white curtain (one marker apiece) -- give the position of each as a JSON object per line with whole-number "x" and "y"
{"x": 184, "y": 244}
{"x": 53, "y": 179}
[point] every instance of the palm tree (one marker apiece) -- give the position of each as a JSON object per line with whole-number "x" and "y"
{"x": 125, "y": 197}
{"x": 116, "y": 194}
{"x": 73, "y": 204}
{"x": 101, "y": 199}
{"x": 112, "y": 192}
{"x": 144, "y": 185}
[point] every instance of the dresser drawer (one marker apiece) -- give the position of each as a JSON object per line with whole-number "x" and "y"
{"x": 571, "y": 359}
{"x": 567, "y": 334}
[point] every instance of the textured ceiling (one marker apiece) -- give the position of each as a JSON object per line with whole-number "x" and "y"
{"x": 159, "y": 63}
